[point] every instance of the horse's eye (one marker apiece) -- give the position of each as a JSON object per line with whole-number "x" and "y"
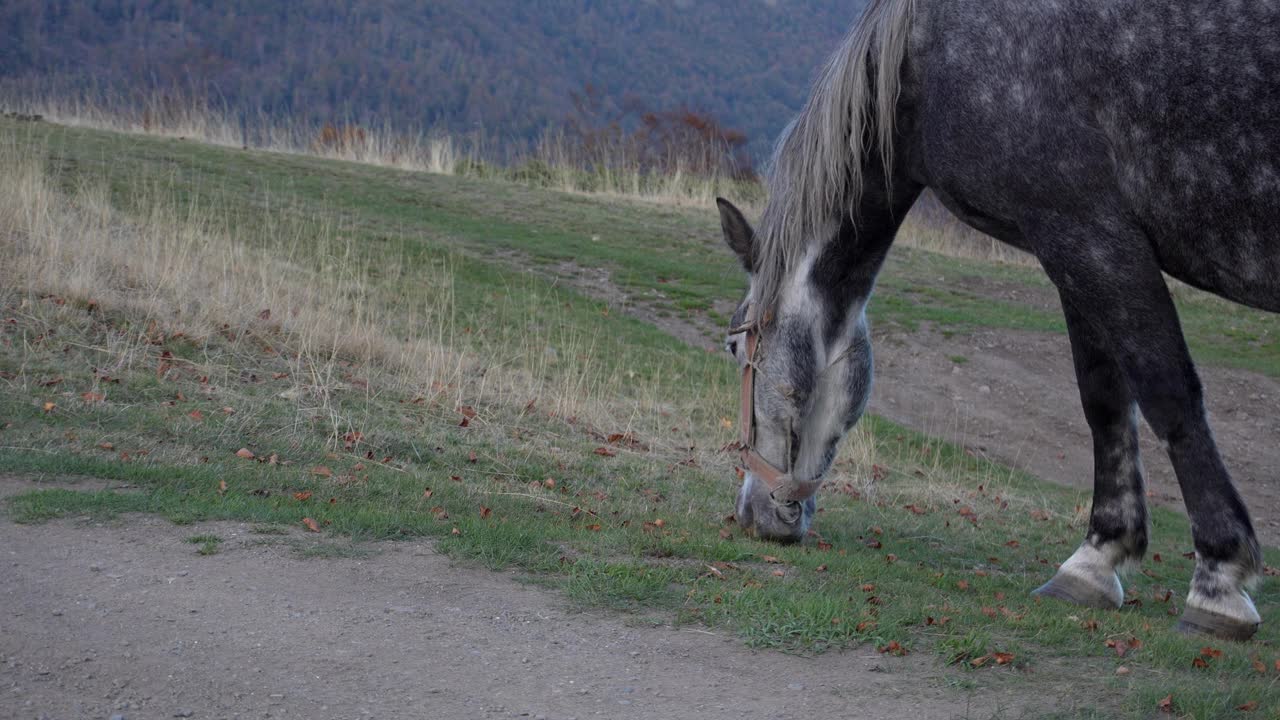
{"x": 732, "y": 346}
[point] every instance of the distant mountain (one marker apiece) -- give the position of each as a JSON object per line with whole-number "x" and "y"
{"x": 507, "y": 67}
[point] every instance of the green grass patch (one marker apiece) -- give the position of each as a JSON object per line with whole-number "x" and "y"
{"x": 209, "y": 544}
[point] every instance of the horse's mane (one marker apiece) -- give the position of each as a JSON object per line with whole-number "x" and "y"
{"x": 817, "y": 169}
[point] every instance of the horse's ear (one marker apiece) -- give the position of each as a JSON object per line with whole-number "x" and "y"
{"x": 738, "y": 234}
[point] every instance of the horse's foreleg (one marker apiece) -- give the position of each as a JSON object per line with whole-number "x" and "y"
{"x": 1118, "y": 521}
{"x": 1107, "y": 273}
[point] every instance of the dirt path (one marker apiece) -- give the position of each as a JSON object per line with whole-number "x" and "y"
{"x": 1014, "y": 398}
{"x": 126, "y": 620}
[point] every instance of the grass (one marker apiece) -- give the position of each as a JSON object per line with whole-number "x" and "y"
{"x": 667, "y": 257}
{"x": 414, "y": 379}
{"x": 209, "y": 544}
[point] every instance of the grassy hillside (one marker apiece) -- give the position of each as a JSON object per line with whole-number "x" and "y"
{"x": 377, "y": 354}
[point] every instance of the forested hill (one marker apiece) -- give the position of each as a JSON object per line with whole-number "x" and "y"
{"x": 506, "y": 66}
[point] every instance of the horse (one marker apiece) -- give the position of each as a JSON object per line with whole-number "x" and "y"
{"x": 1113, "y": 140}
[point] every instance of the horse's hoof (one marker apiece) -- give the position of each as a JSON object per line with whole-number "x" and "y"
{"x": 1196, "y": 621}
{"x": 1079, "y": 590}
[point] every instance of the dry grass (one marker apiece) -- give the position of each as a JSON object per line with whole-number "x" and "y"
{"x": 549, "y": 163}
{"x": 168, "y": 268}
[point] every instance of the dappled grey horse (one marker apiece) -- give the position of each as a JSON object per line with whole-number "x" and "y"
{"x": 1111, "y": 139}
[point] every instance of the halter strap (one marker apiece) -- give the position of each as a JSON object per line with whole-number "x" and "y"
{"x": 782, "y": 486}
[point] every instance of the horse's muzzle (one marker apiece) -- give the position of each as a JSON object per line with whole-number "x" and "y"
{"x": 770, "y": 519}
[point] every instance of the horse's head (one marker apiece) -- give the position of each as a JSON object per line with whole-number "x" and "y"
{"x": 806, "y": 362}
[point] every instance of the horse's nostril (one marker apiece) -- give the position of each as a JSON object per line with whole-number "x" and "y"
{"x": 788, "y": 512}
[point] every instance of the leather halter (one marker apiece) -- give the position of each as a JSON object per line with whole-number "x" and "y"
{"x": 782, "y": 486}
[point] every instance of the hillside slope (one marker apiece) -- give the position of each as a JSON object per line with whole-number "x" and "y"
{"x": 298, "y": 350}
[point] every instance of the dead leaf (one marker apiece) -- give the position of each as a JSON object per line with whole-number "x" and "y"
{"x": 222, "y": 487}
{"x": 1122, "y": 646}
{"x": 310, "y": 524}
{"x": 770, "y": 559}
{"x": 92, "y": 397}
{"x": 778, "y": 573}
{"x": 322, "y": 471}
{"x": 962, "y": 584}
{"x": 471, "y": 457}
{"x": 467, "y": 411}
{"x": 1259, "y": 666}
{"x": 426, "y": 493}
{"x": 1199, "y": 664}
{"x": 265, "y": 314}
{"x": 979, "y": 661}
{"x": 892, "y": 648}
{"x": 455, "y": 531}
{"x": 1002, "y": 658}
{"x": 820, "y": 568}
{"x": 303, "y": 496}
{"x": 485, "y": 512}
{"x": 196, "y": 415}
{"x": 1248, "y": 707}
{"x": 106, "y": 446}
{"x": 1166, "y": 704}
{"x": 49, "y": 406}
{"x": 605, "y": 452}
{"x": 915, "y": 509}
{"x": 1210, "y": 652}
{"x": 868, "y": 587}
{"x": 245, "y": 453}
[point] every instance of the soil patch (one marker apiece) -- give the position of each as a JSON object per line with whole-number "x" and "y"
{"x": 1013, "y": 397}
{"x": 126, "y": 619}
